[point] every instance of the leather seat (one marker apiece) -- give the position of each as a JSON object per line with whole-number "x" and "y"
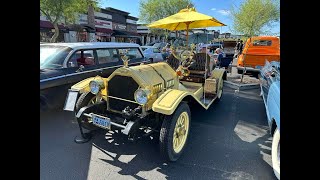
{"x": 197, "y": 69}
{"x": 199, "y": 66}
{"x": 173, "y": 62}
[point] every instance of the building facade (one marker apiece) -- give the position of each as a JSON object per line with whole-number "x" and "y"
{"x": 111, "y": 25}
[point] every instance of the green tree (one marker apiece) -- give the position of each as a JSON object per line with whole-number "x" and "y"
{"x": 62, "y": 11}
{"x": 153, "y": 10}
{"x": 254, "y": 16}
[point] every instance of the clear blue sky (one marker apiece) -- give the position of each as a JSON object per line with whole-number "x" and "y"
{"x": 218, "y": 9}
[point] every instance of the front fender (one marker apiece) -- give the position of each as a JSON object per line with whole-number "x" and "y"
{"x": 169, "y": 101}
{"x": 83, "y": 86}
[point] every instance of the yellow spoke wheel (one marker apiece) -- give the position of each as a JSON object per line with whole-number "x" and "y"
{"x": 174, "y": 132}
{"x": 180, "y": 132}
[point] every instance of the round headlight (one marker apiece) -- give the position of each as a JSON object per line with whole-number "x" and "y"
{"x": 96, "y": 86}
{"x": 141, "y": 96}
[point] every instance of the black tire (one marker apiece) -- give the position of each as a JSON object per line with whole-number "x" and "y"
{"x": 275, "y": 153}
{"x": 240, "y": 71}
{"x": 167, "y": 132}
{"x": 84, "y": 100}
{"x": 151, "y": 60}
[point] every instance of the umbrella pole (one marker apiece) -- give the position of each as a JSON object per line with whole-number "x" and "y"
{"x": 187, "y": 33}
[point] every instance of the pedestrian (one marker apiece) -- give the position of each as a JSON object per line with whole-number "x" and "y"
{"x": 220, "y": 56}
{"x": 236, "y": 49}
{"x": 241, "y": 47}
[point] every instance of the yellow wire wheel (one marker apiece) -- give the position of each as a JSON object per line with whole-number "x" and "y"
{"x": 174, "y": 133}
{"x": 180, "y": 132}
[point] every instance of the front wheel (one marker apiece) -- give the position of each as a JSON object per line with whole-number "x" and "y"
{"x": 86, "y": 99}
{"x": 174, "y": 133}
{"x": 275, "y": 153}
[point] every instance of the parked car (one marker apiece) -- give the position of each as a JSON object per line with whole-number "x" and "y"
{"x": 147, "y": 100}
{"x": 152, "y": 53}
{"x": 160, "y": 45}
{"x": 256, "y": 51}
{"x": 270, "y": 91}
{"x": 64, "y": 64}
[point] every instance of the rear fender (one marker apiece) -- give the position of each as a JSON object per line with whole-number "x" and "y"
{"x": 221, "y": 75}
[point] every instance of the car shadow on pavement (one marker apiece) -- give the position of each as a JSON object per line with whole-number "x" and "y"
{"x": 228, "y": 141}
{"x": 60, "y": 157}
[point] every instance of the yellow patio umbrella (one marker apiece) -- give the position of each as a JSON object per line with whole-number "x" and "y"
{"x": 186, "y": 19}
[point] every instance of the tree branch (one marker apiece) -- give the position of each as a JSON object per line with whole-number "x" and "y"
{"x": 46, "y": 14}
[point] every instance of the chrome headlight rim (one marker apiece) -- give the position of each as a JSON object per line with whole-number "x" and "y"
{"x": 96, "y": 86}
{"x": 141, "y": 96}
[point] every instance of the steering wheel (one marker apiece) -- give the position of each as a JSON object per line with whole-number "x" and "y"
{"x": 185, "y": 56}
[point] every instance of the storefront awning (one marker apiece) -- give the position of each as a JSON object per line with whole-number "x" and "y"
{"x": 104, "y": 31}
{"x": 127, "y": 34}
{"x": 49, "y": 25}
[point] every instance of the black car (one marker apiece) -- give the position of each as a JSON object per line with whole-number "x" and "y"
{"x": 64, "y": 64}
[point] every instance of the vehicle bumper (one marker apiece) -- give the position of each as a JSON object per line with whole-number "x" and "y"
{"x": 91, "y": 111}
{"x": 248, "y": 69}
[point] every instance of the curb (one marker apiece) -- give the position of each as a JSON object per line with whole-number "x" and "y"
{"x": 241, "y": 86}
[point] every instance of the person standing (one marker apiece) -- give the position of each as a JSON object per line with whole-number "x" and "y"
{"x": 241, "y": 47}
{"x": 236, "y": 49}
{"x": 220, "y": 56}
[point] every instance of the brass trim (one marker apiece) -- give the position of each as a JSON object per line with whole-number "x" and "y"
{"x": 123, "y": 99}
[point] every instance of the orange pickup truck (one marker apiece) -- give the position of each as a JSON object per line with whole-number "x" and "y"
{"x": 256, "y": 51}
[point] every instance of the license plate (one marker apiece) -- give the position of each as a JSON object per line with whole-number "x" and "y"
{"x": 71, "y": 101}
{"x": 101, "y": 122}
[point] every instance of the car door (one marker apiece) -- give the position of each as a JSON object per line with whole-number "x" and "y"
{"x": 81, "y": 65}
{"x": 108, "y": 61}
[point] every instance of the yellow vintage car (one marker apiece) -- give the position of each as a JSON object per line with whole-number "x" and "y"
{"x": 148, "y": 99}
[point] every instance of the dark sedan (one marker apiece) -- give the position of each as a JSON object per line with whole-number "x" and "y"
{"x": 64, "y": 64}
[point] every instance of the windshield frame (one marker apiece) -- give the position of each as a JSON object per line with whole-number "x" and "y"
{"x": 61, "y": 49}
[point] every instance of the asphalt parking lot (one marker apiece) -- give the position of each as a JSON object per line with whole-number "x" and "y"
{"x": 228, "y": 141}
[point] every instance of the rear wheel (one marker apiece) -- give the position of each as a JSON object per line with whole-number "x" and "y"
{"x": 151, "y": 60}
{"x": 275, "y": 153}
{"x": 86, "y": 99}
{"x": 220, "y": 91}
{"x": 174, "y": 133}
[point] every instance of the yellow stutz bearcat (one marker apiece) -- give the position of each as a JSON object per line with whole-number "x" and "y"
{"x": 146, "y": 100}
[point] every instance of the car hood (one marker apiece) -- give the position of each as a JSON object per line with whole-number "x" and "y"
{"x": 50, "y": 73}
